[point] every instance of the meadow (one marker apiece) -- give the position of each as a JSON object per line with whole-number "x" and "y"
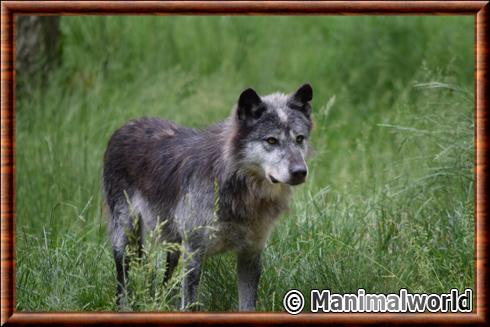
{"x": 389, "y": 202}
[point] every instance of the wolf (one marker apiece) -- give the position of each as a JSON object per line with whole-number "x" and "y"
{"x": 217, "y": 189}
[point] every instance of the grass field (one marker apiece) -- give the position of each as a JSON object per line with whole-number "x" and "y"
{"x": 389, "y": 200}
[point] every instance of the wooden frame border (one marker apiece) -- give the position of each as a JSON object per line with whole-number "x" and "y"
{"x": 11, "y": 8}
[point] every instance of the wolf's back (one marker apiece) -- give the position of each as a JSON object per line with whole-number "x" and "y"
{"x": 144, "y": 155}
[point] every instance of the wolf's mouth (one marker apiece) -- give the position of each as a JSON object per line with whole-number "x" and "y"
{"x": 273, "y": 180}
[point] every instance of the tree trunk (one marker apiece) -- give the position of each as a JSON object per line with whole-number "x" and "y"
{"x": 37, "y": 47}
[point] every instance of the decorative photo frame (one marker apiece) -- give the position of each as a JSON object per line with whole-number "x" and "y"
{"x": 10, "y": 9}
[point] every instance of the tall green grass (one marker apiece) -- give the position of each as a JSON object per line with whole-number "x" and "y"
{"x": 389, "y": 200}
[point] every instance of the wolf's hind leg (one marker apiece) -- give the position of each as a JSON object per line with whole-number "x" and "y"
{"x": 120, "y": 230}
{"x": 122, "y": 268}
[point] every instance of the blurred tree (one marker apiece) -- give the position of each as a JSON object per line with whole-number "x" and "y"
{"x": 37, "y": 47}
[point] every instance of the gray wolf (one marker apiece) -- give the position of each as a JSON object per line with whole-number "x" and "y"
{"x": 234, "y": 177}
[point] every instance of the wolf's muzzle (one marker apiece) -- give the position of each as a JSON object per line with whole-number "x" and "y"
{"x": 298, "y": 174}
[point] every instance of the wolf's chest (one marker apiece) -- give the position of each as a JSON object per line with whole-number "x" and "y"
{"x": 247, "y": 219}
{"x": 237, "y": 236}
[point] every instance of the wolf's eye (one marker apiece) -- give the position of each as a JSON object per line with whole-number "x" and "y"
{"x": 271, "y": 140}
{"x": 300, "y": 139}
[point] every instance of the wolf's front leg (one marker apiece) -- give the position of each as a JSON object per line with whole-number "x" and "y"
{"x": 248, "y": 269}
{"x": 192, "y": 273}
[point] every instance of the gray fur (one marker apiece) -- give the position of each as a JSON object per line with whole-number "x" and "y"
{"x": 218, "y": 189}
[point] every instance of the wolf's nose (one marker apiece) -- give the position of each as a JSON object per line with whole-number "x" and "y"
{"x": 298, "y": 174}
{"x": 301, "y": 173}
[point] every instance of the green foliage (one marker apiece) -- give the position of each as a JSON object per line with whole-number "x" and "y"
{"x": 389, "y": 201}
{"x": 146, "y": 289}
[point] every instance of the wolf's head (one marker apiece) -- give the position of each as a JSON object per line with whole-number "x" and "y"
{"x": 273, "y": 132}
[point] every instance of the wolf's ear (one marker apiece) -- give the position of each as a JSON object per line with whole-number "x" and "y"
{"x": 300, "y": 100}
{"x": 250, "y": 105}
